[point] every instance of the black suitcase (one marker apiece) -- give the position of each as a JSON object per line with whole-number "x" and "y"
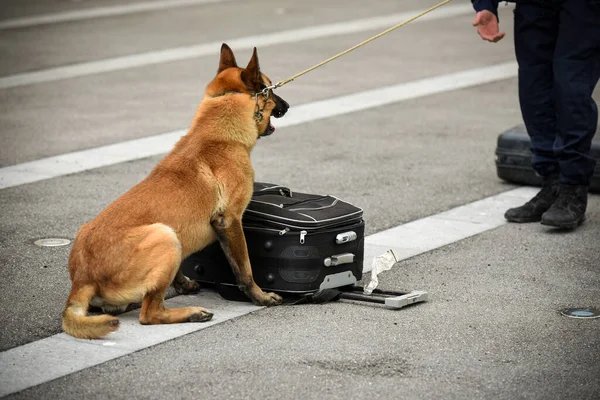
{"x": 298, "y": 243}
{"x": 513, "y": 159}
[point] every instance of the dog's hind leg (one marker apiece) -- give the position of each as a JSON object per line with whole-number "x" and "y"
{"x": 160, "y": 255}
{"x": 185, "y": 285}
{"x": 233, "y": 242}
{"x": 114, "y": 309}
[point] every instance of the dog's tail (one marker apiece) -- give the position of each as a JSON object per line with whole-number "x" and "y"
{"x": 77, "y": 323}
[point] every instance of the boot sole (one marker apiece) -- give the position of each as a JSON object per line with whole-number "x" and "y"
{"x": 564, "y": 225}
{"x": 524, "y": 220}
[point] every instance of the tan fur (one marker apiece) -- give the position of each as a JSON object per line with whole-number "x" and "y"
{"x": 131, "y": 252}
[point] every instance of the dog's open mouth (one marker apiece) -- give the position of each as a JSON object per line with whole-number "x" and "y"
{"x": 270, "y": 129}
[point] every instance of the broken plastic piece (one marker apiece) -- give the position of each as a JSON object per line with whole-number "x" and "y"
{"x": 381, "y": 263}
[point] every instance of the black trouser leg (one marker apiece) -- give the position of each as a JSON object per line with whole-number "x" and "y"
{"x": 576, "y": 66}
{"x": 536, "y": 32}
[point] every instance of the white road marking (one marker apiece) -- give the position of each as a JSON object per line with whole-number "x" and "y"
{"x": 44, "y": 360}
{"x": 212, "y": 48}
{"x": 79, "y": 161}
{"x": 99, "y": 12}
{"x": 438, "y": 230}
{"x": 59, "y": 355}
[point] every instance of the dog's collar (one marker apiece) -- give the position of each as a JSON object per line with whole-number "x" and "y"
{"x": 258, "y": 110}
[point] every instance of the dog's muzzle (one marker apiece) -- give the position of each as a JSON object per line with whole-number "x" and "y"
{"x": 281, "y": 106}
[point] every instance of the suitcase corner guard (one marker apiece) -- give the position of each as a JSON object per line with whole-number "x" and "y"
{"x": 338, "y": 280}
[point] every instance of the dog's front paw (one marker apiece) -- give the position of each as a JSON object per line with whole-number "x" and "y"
{"x": 187, "y": 287}
{"x": 201, "y": 316}
{"x": 269, "y": 299}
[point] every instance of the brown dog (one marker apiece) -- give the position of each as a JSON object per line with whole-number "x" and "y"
{"x": 132, "y": 250}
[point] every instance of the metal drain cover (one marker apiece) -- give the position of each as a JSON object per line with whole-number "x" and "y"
{"x": 588, "y": 312}
{"x": 52, "y": 242}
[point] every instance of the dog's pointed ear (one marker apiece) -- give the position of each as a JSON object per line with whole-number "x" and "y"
{"x": 251, "y": 75}
{"x": 227, "y": 59}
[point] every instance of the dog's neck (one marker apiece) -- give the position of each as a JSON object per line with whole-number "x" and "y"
{"x": 228, "y": 117}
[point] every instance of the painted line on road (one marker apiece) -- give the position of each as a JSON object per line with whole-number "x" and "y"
{"x": 60, "y": 355}
{"x": 44, "y": 360}
{"x": 99, "y": 12}
{"x": 53, "y": 167}
{"x": 212, "y": 48}
{"x": 423, "y": 235}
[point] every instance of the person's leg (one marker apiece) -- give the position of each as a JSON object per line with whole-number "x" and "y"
{"x": 576, "y": 73}
{"x": 536, "y": 31}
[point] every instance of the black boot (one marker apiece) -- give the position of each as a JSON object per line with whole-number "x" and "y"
{"x": 532, "y": 210}
{"x": 569, "y": 209}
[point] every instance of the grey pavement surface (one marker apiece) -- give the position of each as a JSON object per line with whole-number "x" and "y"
{"x": 388, "y": 141}
{"x": 492, "y": 328}
{"x": 155, "y": 99}
{"x": 23, "y": 9}
{"x": 100, "y": 38}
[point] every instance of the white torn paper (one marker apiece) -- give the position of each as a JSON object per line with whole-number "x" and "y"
{"x": 381, "y": 263}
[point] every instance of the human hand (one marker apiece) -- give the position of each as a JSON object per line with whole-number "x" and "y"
{"x": 487, "y": 26}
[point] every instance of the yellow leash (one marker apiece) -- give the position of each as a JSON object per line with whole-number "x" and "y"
{"x": 288, "y": 80}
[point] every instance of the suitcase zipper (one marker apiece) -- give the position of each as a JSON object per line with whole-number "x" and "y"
{"x": 281, "y": 232}
{"x": 302, "y": 236}
{"x": 302, "y": 233}
{"x": 265, "y": 218}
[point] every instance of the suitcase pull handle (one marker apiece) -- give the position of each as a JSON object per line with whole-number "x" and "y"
{"x": 339, "y": 259}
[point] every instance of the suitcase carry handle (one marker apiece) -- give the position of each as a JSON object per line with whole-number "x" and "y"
{"x": 278, "y": 190}
{"x": 305, "y": 201}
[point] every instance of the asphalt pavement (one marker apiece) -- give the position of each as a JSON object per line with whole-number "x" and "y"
{"x": 492, "y": 327}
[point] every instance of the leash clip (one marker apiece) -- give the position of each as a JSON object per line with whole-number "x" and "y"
{"x": 265, "y": 91}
